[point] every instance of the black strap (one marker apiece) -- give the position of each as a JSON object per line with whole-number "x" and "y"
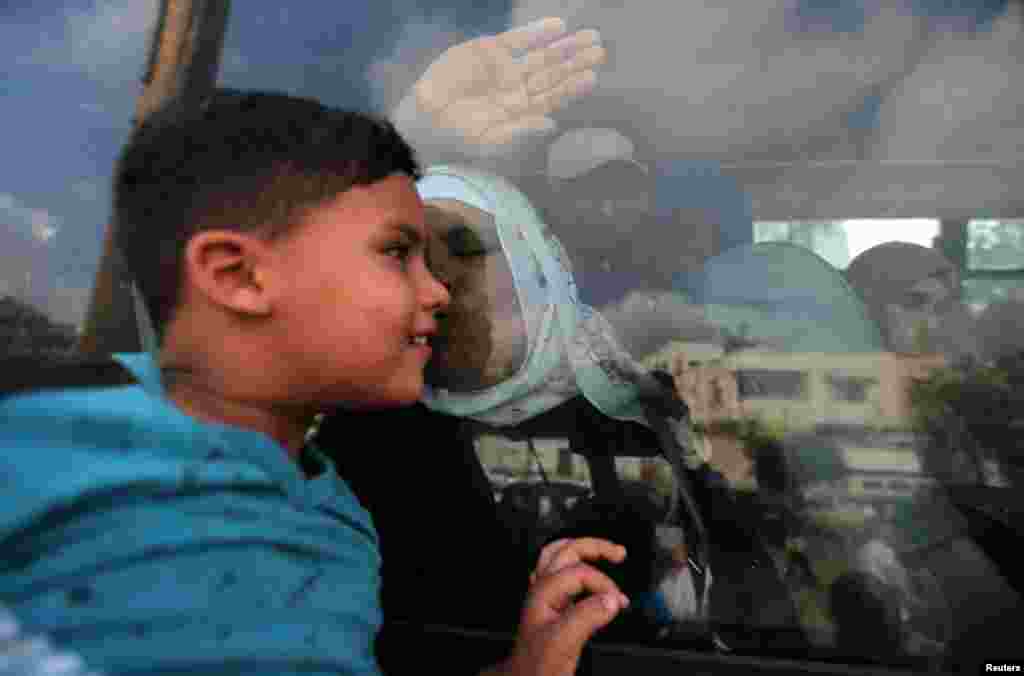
{"x": 28, "y": 374}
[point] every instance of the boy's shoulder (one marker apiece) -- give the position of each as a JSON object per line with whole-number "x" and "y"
{"x": 75, "y": 404}
{"x": 130, "y": 530}
{"x": 90, "y": 427}
{"x": 28, "y": 374}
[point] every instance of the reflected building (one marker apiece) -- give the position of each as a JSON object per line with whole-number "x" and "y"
{"x": 859, "y": 402}
{"x": 799, "y": 392}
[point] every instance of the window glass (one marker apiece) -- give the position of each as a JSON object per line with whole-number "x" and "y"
{"x": 508, "y": 460}
{"x": 71, "y": 75}
{"x": 838, "y": 405}
{"x": 856, "y": 424}
{"x": 850, "y": 388}
{"x": 363, "y": 55}
{"x": 981, "y": 293}
{"x": 536, "y": 482}
{"x": 995, "y": 245}
{"x": 765, "y": 384}
{"x": 651, "y": 477}
{"x": 839, "y": 242}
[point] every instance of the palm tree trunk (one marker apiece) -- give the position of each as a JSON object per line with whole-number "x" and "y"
{"x": 183, "y": 64}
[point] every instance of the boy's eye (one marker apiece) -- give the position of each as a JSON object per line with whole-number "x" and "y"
{"x": 399, "y": 252}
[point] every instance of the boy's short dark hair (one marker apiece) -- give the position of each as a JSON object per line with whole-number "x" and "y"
{"x": 245, "y": 161}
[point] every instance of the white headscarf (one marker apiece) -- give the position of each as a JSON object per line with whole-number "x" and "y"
{"x": 571, "y": 347}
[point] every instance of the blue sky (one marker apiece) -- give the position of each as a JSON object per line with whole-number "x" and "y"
{"x": 71, "y": 76}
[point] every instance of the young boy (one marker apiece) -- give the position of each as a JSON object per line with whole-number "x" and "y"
{"x": 172, "y": 519}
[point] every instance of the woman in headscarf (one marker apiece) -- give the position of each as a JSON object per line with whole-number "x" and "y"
{"x": 913, "y": 294}
{"x": 515, "y": 340}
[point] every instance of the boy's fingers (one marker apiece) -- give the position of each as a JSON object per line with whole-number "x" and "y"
{"x": 589, "y": 615}
{"x": 568, "y": 553}
{"x": 548, "y": 553}
{"x": 555, "y": 593}
{"x": 590, "y": 550}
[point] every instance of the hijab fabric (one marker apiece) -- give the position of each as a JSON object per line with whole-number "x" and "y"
{"x": 572, "y": 349}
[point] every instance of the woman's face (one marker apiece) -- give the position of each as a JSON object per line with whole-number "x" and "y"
{"x": 482, "y": 335}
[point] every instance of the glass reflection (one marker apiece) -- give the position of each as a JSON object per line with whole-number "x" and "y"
{"x": 836, "y": 410}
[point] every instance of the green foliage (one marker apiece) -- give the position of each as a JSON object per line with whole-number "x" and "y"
{"x": 754, "y": 432}
{"x": 995, "y": 245}
{"x": 972, "y": 408}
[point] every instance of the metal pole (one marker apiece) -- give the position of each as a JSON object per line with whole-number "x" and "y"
{"x": 184, "y": 60}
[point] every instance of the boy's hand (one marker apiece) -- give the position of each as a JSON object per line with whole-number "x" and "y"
{"x": 496, "y": 92}
{"x": 561, "y": 554}
{"x": 554, "y": 626}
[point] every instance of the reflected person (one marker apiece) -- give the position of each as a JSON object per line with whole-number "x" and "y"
{"x": 913, "y": 294}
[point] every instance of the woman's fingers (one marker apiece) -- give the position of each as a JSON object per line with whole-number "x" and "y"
{"x": 532, "y": 35}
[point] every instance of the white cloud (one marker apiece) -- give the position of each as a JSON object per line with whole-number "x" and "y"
{"x": 644, "y": 321}
{"x": 418, "y": 44}
{"x": 724, "y": 77}
{"x": 38, "y": 223}
{"x": 107, "y": 40}
{"x": 44, "y": 226}
{"x": 730, "y": 77}
{"x": 68, "y": 305}
{"x": 963, "y": 101}
{"x": 87, "y": 190}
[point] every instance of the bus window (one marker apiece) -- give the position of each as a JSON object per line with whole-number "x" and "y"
{"x": 810, "y": 215}
{"x": 994, "y": 275}
{"x": 839, "y": 242}
{"x": 995, "y": 246}
{"x": 71, "y": 79}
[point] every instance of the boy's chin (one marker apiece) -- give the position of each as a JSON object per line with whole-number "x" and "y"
{"x": 395, "y": 397}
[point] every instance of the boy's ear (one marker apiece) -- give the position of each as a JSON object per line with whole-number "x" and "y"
{"x": 231, "y": 270}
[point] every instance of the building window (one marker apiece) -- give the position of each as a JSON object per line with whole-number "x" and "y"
{"x": 850, "y": 389}
{"x": 771, "y": 384}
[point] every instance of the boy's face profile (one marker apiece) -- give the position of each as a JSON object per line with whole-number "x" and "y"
{"x": 355, "y": 302}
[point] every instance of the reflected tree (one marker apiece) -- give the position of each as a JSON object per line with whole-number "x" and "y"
{"x": 971, "y": 414}
{"x": 27, "y": 331}
{"x": 995, "y": 245}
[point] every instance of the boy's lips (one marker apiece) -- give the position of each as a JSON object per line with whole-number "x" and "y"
{"x": 421, "y": 342}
